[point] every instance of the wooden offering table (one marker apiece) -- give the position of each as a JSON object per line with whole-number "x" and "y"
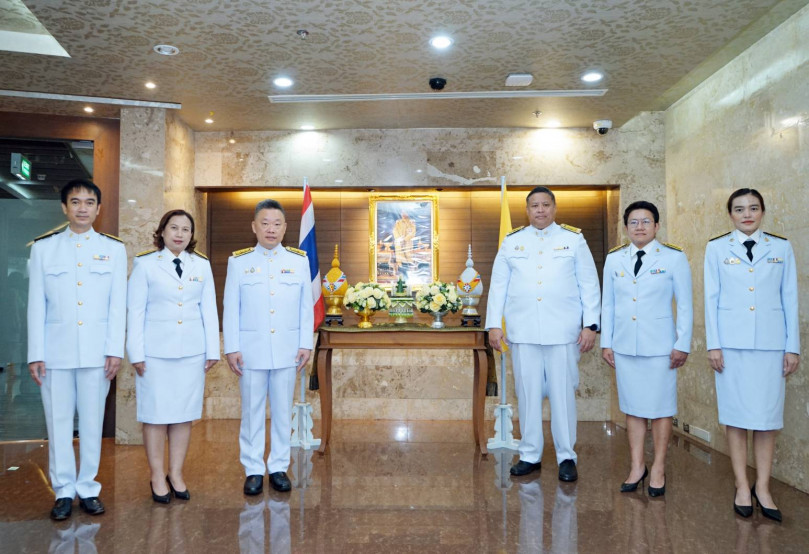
{"x": 392, "y": 336}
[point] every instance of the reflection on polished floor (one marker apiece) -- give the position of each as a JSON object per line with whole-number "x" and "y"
{"x": 398, "y": 487}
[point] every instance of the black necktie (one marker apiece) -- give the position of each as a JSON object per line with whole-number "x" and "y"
{"x": 177, "y": 263}
{"x": 749, "y": 244}
{"x": 638, "y": 263}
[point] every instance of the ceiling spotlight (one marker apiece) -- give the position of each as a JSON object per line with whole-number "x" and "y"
{"x": 338, "y": 181}
{"x": 150, "y": 84}
{"x": 592, "y": 77}
{"x": 307, "y": 127}
{"x": 303, "y": 34}
{"x": 553, "y": 123}
{"x": 231, "y": 140}
{"x": 209, "y": 119}
{"x": 441, "y": 42}
{"x": 166, "y": 50}
{"x": 519, "y": 79}
{"x": 88, "y": 109}
{"x": 283, "y": 82}
{"x": 537, "y": 113}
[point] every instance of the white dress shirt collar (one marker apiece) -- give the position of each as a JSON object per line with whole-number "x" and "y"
{"x": 741, "y": 237}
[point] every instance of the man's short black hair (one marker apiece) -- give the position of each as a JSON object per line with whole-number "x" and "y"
{"x": 269, "y": 204}
{"x": 641, "y": 205}
{"x": 77, "y": 184}
{"x": 535, "y": 190}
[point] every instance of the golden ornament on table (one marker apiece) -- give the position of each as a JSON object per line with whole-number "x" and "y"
{"x": 366, "y": 299}
{"x": 334, "y": 285}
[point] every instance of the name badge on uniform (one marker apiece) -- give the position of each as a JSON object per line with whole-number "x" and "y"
{"x": 775, "y": 260}
{"x": 196, "y": 279}
{"x": 732, "y": 261}
{"x": 287, "y": 271}
{"x": 657, "y": 271}
{"x": 562, "y": 248}
{"x": 101, "y": 257}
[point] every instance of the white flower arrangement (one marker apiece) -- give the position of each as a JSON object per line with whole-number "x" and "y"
{"x": 366, "y": 295}
{"x": 437, "y": 297}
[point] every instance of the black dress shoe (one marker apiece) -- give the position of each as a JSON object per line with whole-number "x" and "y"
{"x": 567, "y": 471}
{"x": 654, "y": 492}
{"x": 632, "y": 487}
{"x": 181, "y": 495}
{"x": 771, "y": 513}
{"x": 524, "y": 468}
{"x": 92, "y": 505}
{"x": 62, "y": 509}
{"x": 160, "y": 498}
{"x": 280, "y": 481}
{"x": 254, "y": 484}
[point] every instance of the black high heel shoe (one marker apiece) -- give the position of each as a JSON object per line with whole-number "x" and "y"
{"x": 657, "y": 491}
{"x": 632, "y": 487}
{"x": 744, "y": 511}
{"x": 771, "y": 513}
{"x": 160, "y": 499}
{"x": 180, "y": 495}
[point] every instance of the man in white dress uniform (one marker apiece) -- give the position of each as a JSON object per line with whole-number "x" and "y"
{"x": 76, "y": 322}
{"x": 545, "y": 282}
{"x": 267, "y": 327}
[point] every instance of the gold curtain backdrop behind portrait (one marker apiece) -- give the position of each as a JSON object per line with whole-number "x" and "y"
{"x": 341, "y": 217}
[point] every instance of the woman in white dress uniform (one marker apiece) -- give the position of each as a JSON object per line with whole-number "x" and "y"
{"x": 172, "y": 341}
{"x": 641, "y": 339}
{"x": 753, "y": 341}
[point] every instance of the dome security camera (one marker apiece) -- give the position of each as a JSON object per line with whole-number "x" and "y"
{"x": 437, "y": 83}
{"x": 602, "y": 126}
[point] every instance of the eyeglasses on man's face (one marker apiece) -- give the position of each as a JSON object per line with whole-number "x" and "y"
{"x": 646, "y": 222}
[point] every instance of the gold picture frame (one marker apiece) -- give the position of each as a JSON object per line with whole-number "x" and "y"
{"x": 403, "y": 238}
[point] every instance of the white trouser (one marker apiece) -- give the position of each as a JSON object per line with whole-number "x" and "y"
{"x": 64, "y": 391}
{"x": 251, "y": 527}
{"x": 255, "y": 385}
{"x": 64, "y": 540}
{"x": 546, "y": 371}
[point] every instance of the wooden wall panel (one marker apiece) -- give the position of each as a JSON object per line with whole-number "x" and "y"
{"x": 342, "y": 217}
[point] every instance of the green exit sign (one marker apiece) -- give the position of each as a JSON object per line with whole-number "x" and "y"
{"x": 20, "y": 166}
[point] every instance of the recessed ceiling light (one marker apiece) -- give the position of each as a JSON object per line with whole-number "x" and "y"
{"x": 132, "y": 201}
{"x": 88, "y": 109}
{"x": 441, "y": 42}
{"x": 418, "y": 171}
{"x": 307, "y": 127}
{"x": 166, "y": 49}
{"x": 592, "y": 77}
{"x": 326, "y": 160}
{"x": 283, "y": 82}
{"x": 516, "y": 157}
{"x": 232, "y": 140}
{"x": 208, "y": 120}
{"x": 150, "y": 84}
{"x": 553, "y": 123}
{"x": 338, "y": 181}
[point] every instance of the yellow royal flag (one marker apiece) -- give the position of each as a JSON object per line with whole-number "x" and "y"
{"x": 505, "y": 229}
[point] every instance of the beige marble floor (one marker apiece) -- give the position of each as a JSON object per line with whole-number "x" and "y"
{"x": 398, "y": 487}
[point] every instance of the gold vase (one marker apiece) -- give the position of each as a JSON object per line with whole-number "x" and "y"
{"x": 365, "y": 314}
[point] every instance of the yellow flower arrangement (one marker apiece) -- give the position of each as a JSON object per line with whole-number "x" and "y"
{"x": 437, "y": 297}
{"x": 366, "y": 295}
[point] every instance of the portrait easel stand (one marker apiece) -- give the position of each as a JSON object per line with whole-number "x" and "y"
{"x": 503, "y": 426}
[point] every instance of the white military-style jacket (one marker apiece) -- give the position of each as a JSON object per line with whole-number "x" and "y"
{"x": 637, "y": 317}
{"x": 751, "y": 305}
{"x": 268, "y": 306}
{"x": 546, "y": 283}
{"x": 171, "y": 316}
{"x": 76, "y": 299}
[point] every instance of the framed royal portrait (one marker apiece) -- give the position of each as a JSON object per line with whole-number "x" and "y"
{"x": 403, "y": 238}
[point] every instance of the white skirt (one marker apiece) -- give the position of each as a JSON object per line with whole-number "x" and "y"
{"x": 646, "y": 386}
{"x": 171, "y": 390}
{"x": 750, "y": 390}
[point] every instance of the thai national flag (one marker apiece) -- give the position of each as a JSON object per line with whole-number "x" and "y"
{"x": 308, "y": 243}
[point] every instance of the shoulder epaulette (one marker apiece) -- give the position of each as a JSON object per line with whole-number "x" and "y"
{"x": 48, "y": 234}
{"x": 619, "y": 247}
{"x": 145, "y": 252}
{"x": 296, "y": 251}
{"x": 242, "y": 252}
{"x": 570, "y": 228}
{"x": 719, "y": 236}
{"x": 515, "y": 230}
{"x": 672, "y": 246}
{"x": 200, "y": 254}
{"x": 774, "y": 235}
{"x": 113, "y": 237}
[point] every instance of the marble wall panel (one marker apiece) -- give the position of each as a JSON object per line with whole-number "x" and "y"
{"x": 745, "y": 126}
